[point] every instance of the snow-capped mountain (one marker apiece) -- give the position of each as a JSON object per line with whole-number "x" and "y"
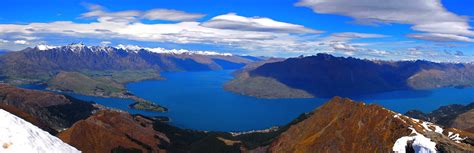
{"x": 170, "y": 51}
{"x": 20, "y": 136}
{"x": 77, "y": 47}
{"x": 43, "y": 60}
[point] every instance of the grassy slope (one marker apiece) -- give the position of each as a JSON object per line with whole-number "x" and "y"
{"x": 105, "y": 84}
{"x": 125, "y": 76}
{"x": 263, "y": 87}
{"x": 79, "y": 83}
{"x": 429, "y": 79}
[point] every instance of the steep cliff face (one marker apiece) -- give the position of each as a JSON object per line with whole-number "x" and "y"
{"x": 53, "y": 110}
{"x": 108, "y": 131}
{"x": 342, "y": 125}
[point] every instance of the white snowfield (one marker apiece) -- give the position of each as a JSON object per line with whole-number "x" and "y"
{"x": 20, "y": 136}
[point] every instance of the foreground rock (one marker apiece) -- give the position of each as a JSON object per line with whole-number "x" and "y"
{"x": 108, "y": 131}
{"x": 342, "y": 125}
{"x": 50, "y": 111}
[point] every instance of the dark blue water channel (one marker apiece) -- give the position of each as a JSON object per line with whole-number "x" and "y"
{"x": 197, "y": 100}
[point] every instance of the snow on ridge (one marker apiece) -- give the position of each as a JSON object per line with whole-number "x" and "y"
{"x": 45, "y": 47}
{"x": 18, "y": 135}
{"x": 420, "y": 142}
{"x": 133, "y": 48}
{"x": 78, "y": 47}
{"x": 160, "y": 50}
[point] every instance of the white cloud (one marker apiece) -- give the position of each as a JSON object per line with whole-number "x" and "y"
{"x": 171, "y": 15}
{"x": 21, "y": 42}
{"x": 258, "y": 35}
{"x": 99, "y": 12}
{"x": 3, "y": 41}
{"x": 343, "y": 47}
{"x": 354, "y": 35}
{"x": 233, "y": 21}
{"x": 105, "y": 43}
{"x": 347, "y": 36}
{"x": 425, "y": 15}
{"x": 266, "y": 35}
{"x": 440, "y": 37}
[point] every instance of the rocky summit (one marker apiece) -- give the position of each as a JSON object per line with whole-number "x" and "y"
{"x": 342, "y": 125}
{"x": 108, "y": 131}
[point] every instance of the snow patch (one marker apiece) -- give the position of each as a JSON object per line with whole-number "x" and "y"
{"x": 184, "y": 51}
{"x": 20, "y": 136}
{"x": 133, "y": 48}
{"x": 45, "y": 47}
{"x": 76, "y": 47}
{"x": 398, "y": 116}
{"x": 421, "y": 144}
{"x": 455, "y": 137}
{"x": 427, "y": 125}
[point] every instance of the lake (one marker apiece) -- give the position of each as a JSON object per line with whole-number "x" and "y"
{"x": 197, "y": 100}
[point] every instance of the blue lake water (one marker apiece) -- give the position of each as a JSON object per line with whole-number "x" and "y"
{"x": 197, "y": 100}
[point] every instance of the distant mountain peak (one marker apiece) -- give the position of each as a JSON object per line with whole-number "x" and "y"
{"x": 45, "y": 47}
{"x": 129, "y": 47}
{"x": 80, "y": 44}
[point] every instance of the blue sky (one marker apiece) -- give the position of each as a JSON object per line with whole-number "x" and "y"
{"x": 392, "y": 30}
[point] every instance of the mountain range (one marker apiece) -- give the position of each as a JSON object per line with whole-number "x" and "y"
{"x": 340, "y": 125}
{"x": 324, "y": 75}
{"x": 104, "y": 70}
{"x": 43, "y": 62}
